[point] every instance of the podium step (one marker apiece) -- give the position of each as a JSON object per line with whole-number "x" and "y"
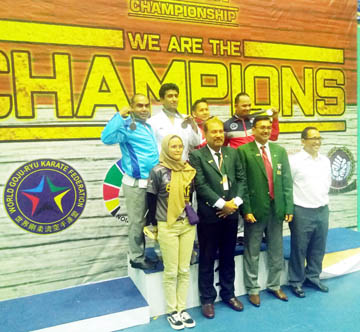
{"x": 150, "y": 282}
{"x": 342, "y": 257}
{"x": 103, "y": 306}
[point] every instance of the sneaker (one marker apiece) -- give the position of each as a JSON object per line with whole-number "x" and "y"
{"x": 175, "y": 321}
{"x": 186, "y": 319}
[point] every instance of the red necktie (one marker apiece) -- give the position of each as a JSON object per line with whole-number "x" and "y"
{"x": 269, "y": 172}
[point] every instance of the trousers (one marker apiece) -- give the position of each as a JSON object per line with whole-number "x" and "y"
{"x": 176, "y": 245}
{"x": 136, "y": 206}
{"x": 309, "y": 231}
{"x": 275, "y": 257}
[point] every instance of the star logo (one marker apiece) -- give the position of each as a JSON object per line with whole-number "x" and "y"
{"x": 47, "y": 194}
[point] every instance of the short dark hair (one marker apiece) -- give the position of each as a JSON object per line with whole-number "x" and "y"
{"x": 240, "y": 94}
{"x": 213, "y": 119}
{"x": 202, "y": 100}
{"x": 260, "y": 118}
{"x": 304, "y": 133}
{"x": 167, "y": 86}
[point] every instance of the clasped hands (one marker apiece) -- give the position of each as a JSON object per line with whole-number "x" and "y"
{"x": 250, "y": 218}
{"x": 229, "y": 208}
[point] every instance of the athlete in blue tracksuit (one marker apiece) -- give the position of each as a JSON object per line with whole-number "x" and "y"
{"x": 139, "y": 155}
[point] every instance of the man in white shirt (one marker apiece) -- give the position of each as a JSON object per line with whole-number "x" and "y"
{"x": 311, "y": 174}
{"x": 170, "y": 121}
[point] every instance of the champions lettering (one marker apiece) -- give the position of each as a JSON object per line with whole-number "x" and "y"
{"x": 320, "y": 91}
{"x": 317, "y": 90}
{"x": 202, "y": 13}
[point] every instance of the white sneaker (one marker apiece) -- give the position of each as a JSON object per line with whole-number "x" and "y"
{"x": 186, "y": 319}
{"x": 175, "y": 321}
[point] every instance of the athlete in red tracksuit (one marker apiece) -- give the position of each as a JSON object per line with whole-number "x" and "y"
{"x": 238, "y": 127}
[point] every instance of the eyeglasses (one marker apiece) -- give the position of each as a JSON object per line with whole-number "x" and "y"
{"x": 314, "y": 139}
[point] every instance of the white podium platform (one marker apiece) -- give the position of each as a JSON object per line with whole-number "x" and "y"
{"x": 342, "y": 257}
{"x": 150, "y": 283}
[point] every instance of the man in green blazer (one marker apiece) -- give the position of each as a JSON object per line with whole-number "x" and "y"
{"x": 269, "y": 203}
{"x": 220, "y": 185}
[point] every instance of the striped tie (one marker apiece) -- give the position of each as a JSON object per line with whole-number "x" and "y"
{"x": 269, "y": 172}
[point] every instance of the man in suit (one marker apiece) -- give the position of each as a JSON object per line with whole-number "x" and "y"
{"x": 220, "y": 185}
{"x": 269, "y": 203}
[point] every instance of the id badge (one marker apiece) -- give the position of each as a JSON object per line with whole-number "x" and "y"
{"x": 225, "y": 182}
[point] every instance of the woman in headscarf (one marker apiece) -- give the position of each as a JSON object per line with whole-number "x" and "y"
{"x": 169, "y": 188}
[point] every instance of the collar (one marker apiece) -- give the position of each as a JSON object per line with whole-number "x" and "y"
{"x": 213, "y": 151}
{"x": 199, "y": 121}
{"x": 259, "y": 145}
{"x": 307, "y": 155}
{"x": 176, "y": 114}
{"x": 240, "y": 118}
{"x": 135, "y": 118}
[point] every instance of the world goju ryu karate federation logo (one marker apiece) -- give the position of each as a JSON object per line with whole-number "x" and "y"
{"x": 45, "y": 196}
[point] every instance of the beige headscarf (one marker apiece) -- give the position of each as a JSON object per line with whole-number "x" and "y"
{"x": 181, "y": 176}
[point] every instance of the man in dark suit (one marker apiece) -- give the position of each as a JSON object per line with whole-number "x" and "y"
{"x": 269, "y": 203}
{"x": 220, "y": 185}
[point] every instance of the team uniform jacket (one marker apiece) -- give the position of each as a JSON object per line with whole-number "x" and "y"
{"x": 138, "y": 147}
{"x": 238, "y": 131}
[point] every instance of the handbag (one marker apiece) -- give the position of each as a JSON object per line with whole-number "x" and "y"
{"x": 191, "y": 214}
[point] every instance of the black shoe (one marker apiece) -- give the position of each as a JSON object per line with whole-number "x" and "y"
{"x": 298, "y": 291}
{"x": 319, "y": 286}
{"x": 240, "y": 241}
{"x": 143, "y": 265}
{"x": 152, "y": 260}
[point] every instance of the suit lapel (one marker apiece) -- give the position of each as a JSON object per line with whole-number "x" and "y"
{"x": 210, "y": 160}
{"x": 274, "y": 160}
{"x": 226, "y": 159}
{"x": 258, "y": 157}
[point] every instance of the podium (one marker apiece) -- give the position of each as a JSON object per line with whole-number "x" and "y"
{"x": 150, "y": 286}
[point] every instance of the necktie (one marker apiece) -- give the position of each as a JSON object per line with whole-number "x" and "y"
{"x": 218, "y": 155}
{"x": 269, "y": 172}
